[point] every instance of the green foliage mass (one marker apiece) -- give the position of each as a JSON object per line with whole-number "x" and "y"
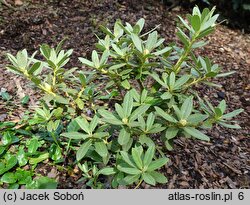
{"x": 110, "y": 114}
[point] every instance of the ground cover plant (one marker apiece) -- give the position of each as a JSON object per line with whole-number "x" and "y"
{"x": 117, "y": 117}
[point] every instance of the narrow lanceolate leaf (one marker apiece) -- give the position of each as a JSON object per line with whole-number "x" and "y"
{"x": 84, "y": 125}
{"x": 109, "y": 117}
{"x": 232, "y": 114}
{"x": 86, "y": 62}
{"x": 95, "y": 59}
{"x": 107, "y": 171}
{"x": 140, "y": 110}
{"x": 183, "y": 37}
{"x": 151, "y": 41}
{"x": 34, "y": 67}
{"x": 120, "y": 111}
{"x": 130, "y": 179}
{"x": 75, "y": 135}
{"x": 230, "y": 125}
{"x": 127, "y": 159}
{"x": 123, "y": 137}
{"x": 150, "y": 120}
{"x": 164, "y": 115}
{"x": 81, "y": 152}
{"x": 196, "y": 118}
{"x": 148, "y": 156}
{"x": 128, "y": 104}
{"x": 128, "y": 170}
{"x": 187, "y": 108}
{"x": 137, "y": 42}
{"x": 196, "y": 133}
{"x": 160, "y": 178}
{"x": 164, "y": 50}
{"x": 157, "y": 164}
{"x": 93, "y": 123}
{"x": 101, "y": 149}
{"x": 148, "y": 179}
{"x": 137, "y": 158}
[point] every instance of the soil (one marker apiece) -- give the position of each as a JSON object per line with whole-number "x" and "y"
{"x": 222, "y": 163}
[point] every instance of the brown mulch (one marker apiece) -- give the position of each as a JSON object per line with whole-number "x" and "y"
{"x": 222, "y": 163}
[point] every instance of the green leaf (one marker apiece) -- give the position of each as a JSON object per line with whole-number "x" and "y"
{"x": 196, "y": 118}
{"x": 151, "y": 41}
{"x": 137, "y": 158}
{"x": 95, "y": 59}
{"x": 25, "y": 100}
{"x": 45, "y": 50}
{"x": 171, "y": 80}
{"x": 160, "y": 52}
{"x": 140, "y": 23}
{"x": 166, "y": 96}
{"x": 181, "y": 81}
{"x": 232, "y": 114}
{"x": 196, "y": 133}
{"x": 7, "y": 138}
{"x": 123, "y": 137}
{"x": 139, "y": 111}
{"x": 120, "y": 111}
{"x": 81, "y": 152}
{"x": 117, "y": 66}
{"x": 171, "y": 133}
{"x": 61, "y": 99}
{"x": 129, "y": 179}
{"x": 84, "y": 125}
{"x": 11, "y": 162}
{"x": 128, "y": 170}
{"x": 229, "y": 125}
{"x": 34, "y": 68}
{"x": 157, "y": 164}
{"x": 75, "y": 135}
{"x": 184, "y": 23}
{"x": 38, "y": 159}
{"x": 169, "y": 144}
{"x": 159, "y": 178}
{"x": 101, "y": 149}
{"x": 126, "y": 84}
{"x": 183, "y": 37}
{"x": 8, "y": 178}
{"x": 137, "y": 42}
{"x": 127, "y": 159}
{"x": 93, "y": 123}
{"x": 196, "y": 22}
{"x": 109, "y": 117}
{"x": 42, "y": 183}
{"x": 164, "y": 115}
{"x": 143, "y": 139}
{"x": 33, "y": 145}
{"x": 55, "y": 152}
{"x": 150, "y": 121}
{"x": 225, "y": 74}
{"x": 79, "y": 103}
{"x": 148, "y": 156}
{"x": 187, "y": 108}
{"x": 128, "y": 104}
{"x": 148, "y": 179}
{"x": 21, "y": 157}
{"x": 107, "y": 171}
{"x": 23, "y": 176}
{"x": 5, "y": 96}
{"x": 87, "y": 62}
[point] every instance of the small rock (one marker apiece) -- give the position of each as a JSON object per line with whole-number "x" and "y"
{"x": 221, "y": 95}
